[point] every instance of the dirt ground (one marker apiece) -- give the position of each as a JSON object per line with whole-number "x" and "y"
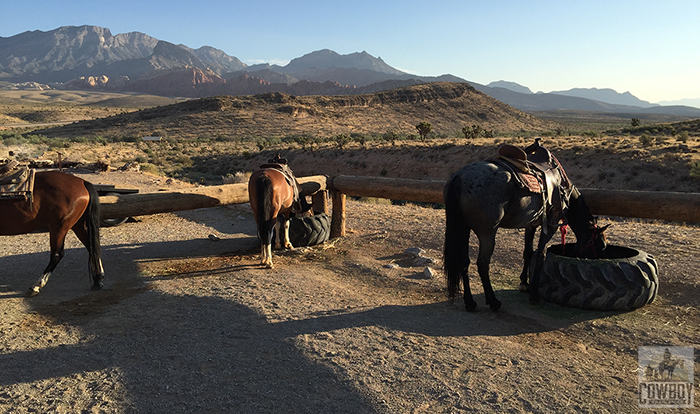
{"x": 189, "y": 324}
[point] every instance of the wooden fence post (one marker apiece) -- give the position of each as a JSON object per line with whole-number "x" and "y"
{"x": 320, "y": 201}
{"x": 338, "y": 217}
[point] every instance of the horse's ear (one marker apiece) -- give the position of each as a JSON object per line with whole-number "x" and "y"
{"x": 602, "y": 229}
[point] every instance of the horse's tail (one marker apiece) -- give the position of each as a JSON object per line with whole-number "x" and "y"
{"x": 263, "y": 192}
{"x": 92, "y": 221}
{"x": 456, "y": 251}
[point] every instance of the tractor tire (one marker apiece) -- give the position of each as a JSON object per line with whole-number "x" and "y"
{"x": 628, "y": 280}
{"x": 113, "y": 222}
{"x": 309, "y": 231}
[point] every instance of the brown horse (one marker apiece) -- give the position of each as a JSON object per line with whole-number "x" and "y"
{"x": 60, "y": 202}
{"x": 272, "y": 195}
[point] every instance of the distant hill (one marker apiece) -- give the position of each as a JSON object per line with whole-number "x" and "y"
{"x": 512, "y": 86}
{"x": 606, "y": 95}
{"x": 447, "y": 106}
{"x": 554, "y": 102}
{"x": 686, "y": 102}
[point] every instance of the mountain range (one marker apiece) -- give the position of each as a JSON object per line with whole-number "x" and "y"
{"x": 90, "y": 57}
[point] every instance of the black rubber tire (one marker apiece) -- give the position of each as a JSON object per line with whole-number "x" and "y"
{"x": 113, "y": 222}
{"x": 309, "y": 231}
{"x": 627, "y": 281}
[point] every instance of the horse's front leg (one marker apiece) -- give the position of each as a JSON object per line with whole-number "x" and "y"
{"x": 545, "y": 236}
{"x": 486, "y": 247}
{"x": 527, "y": 258}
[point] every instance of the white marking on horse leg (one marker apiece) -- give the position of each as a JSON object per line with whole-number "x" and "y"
{"x": 40, "y": 283}
{"x": 268, "y": 263}
{"x": 287, "y": 242}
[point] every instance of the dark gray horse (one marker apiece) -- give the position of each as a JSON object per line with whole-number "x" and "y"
{"x": 484, "y": 196}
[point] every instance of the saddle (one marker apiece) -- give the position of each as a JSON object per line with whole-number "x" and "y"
{"x": 16, "y": 181}
{"x": 280, "y": 164}
{"x": 537, "y": 170}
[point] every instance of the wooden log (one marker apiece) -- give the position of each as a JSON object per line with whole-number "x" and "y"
{"x": 429, "y": 191}
{"x": 683, "y": 207}
{"x": 141, "y": 204}
{"x": 657, "y": 205}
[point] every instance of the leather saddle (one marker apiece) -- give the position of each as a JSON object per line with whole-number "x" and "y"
{"x": 16, "y": 181}
{"x": 280, "y": 164}
{"x": 537, "y": 170}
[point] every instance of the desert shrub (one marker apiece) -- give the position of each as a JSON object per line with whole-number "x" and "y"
{"x": 183, "y": 160}
{"x": 695, "y": 169}
{"x": 661, "y": 139}
{"x": 591, "y": 134}
{"x": 238, "y": 177}
{"x": 390, "y": 136}
{"x": 342, "y": 140}
{"x": 150, "y": 169}
{"x": 646, "y": 140}
{"x": 683, "y": 136}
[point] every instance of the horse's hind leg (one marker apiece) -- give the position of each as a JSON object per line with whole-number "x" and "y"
{"x": 486, "y": 247}
{"x": 286, "y": 242}
{"x": 95, "y": 267}
{"x": 527, "y": 258}
{"x": 57, "y": 253}
{"x": 266, "y": 247}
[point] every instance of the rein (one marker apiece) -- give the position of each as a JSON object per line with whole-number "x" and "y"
{"x": 563, "y": 229}
{"x": 590, "y": 243}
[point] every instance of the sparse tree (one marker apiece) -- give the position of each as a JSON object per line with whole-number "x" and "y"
{"x": 424, "y": 129}
{"x": 635, "y": 122}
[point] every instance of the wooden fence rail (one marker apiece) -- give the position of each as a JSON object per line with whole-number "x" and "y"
{"x": 142, "y": 204}
{"x": 683, "y": 207}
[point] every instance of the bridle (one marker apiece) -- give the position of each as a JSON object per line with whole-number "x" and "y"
{"x": 591, "y": 242}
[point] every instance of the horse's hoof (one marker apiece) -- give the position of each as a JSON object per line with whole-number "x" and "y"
{"x": 470, "y": 306}
{"x": 495, "y": 305}
{"x": 33, "y": 291}
{"x": 96, "y": 286}
{"x": 524, "y": 287}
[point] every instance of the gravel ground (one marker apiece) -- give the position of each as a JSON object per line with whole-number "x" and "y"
{"x": 187, "y": 324}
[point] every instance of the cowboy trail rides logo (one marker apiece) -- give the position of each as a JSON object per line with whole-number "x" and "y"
{"x": 666, "y": 376}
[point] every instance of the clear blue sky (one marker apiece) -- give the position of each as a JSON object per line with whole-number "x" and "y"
{"x": 649, "y": 48}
